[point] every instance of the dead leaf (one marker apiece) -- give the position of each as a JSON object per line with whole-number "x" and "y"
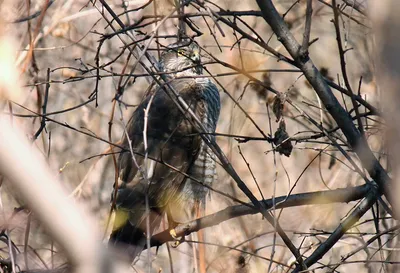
{"x": 282, "y": 141}
{"x": 278, "y": 105}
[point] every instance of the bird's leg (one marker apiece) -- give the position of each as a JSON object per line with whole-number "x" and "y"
{"x": 200, "y": 208}
{"x": 172, "y": 224}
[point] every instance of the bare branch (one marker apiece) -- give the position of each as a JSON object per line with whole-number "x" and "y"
{"x": 357, "y": 143}
{"x": 294, "y": 200}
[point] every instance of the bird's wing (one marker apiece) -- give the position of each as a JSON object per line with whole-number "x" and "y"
{"x": 171, "y": 141}
{"x": 203, "y": 169}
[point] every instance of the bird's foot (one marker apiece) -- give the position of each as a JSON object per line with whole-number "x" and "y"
{"x": 178, "y": 240}
{"x": 173, "y": 234}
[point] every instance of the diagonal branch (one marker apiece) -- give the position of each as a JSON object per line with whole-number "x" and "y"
{"x": 186, "y": 110}
{"x": 342, "y": 118}
{"x": 342, "y": 52}
{"x": 359, "y": 211}
{"x": 311, "y": 198}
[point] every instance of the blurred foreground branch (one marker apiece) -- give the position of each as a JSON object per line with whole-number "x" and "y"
{"x": 20, "y": 163}
{"x": 386, "y": 25}
{"x": 74, "y": 231}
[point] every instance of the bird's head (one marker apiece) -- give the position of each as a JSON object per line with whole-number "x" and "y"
{"x": 182, "y": 57}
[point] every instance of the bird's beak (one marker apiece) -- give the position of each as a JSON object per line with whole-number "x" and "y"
{"x": 196, "y": 56}
{"x": 196, "y": 59}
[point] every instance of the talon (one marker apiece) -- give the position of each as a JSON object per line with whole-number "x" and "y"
{"x": 172, "y": 232}
{"x": 178, "y": 240}
{"x": 175, "y": 244}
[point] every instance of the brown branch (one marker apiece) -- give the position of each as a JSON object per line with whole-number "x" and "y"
{"x": 345, "y": 225}
{"x": 44, "y": 106}
{"x": 354, "y": 4}
{"x": 342, "y": 53}
{"x": 294, "y": 200}
{"x": 367, "y": 243}
{"x": 344, "y": 121}
{"x": 185, "y": 109}
{"x": 307, "y": 29}
{"x": 68, "y": 225}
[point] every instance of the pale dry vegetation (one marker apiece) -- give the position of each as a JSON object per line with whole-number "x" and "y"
{"x": 80, "y": 84}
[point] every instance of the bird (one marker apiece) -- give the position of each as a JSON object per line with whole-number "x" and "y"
{"x": 177, "y": 157}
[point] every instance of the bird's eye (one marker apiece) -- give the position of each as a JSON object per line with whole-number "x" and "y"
{"x": 181, "y": 52}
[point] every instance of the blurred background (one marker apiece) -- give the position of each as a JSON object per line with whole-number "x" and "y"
{"x": 87, "y": 62}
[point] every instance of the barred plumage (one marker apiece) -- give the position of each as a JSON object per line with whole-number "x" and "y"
{"x": 172, "y": 141}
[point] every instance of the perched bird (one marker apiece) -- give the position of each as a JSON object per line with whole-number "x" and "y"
{"x": 174, "y": 147}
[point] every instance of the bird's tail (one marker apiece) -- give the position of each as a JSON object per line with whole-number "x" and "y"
{"x": 130, "y": 239}
{"x": 129, "y": 232}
